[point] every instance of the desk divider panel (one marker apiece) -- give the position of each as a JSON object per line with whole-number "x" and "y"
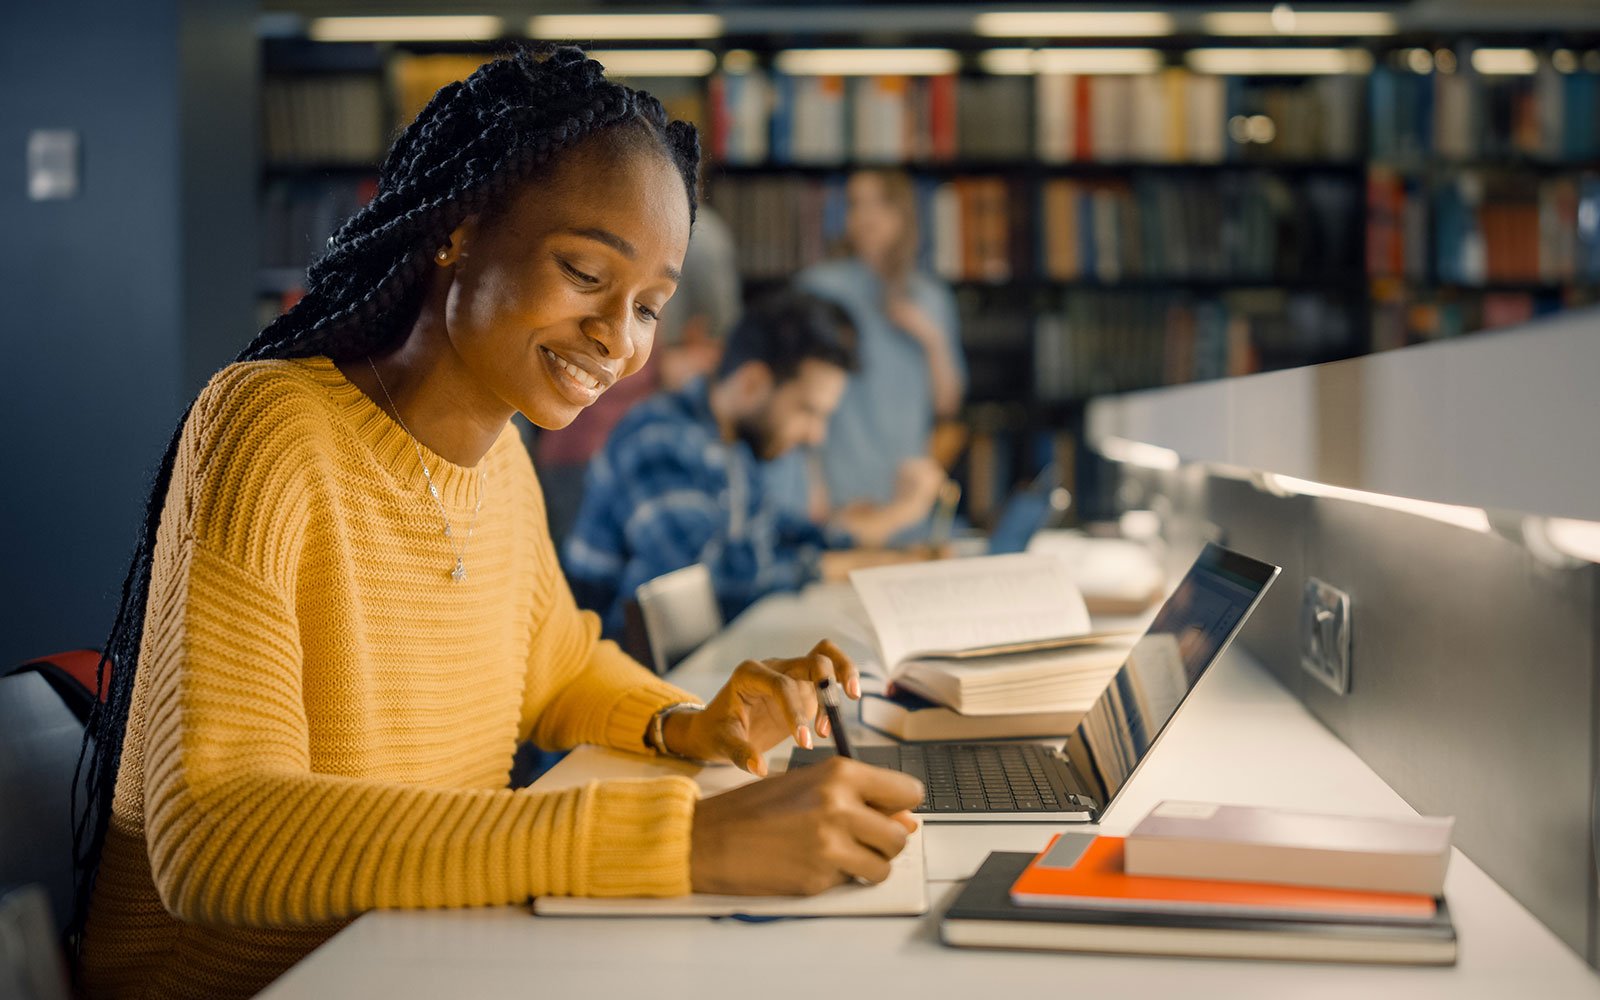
{"x": 1473, "y": 671}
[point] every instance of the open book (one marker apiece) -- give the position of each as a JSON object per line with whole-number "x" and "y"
{"x": 989, "y": 635}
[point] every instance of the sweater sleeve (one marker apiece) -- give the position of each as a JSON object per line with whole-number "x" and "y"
{"x": 241, "y": 831}
{"x": 584, "y": 689}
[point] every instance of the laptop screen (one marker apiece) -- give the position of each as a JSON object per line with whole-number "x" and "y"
{"x": 1189, "y": 633}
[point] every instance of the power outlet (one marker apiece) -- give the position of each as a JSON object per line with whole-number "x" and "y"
{"x": 1325, "y": 635}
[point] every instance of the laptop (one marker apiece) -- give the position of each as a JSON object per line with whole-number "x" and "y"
{"x": 1029, "y": 511}
{"x": 1025, "y": 782}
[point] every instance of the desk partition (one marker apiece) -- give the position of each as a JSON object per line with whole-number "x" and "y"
{"x": 1474, "y": 657}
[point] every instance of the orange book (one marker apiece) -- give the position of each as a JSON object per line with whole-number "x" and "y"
{"x": 1082, "y": 871}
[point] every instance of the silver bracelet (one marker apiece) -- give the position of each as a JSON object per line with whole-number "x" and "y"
{"x": 656, "y": 736}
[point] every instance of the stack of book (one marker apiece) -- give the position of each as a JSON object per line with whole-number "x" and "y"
{"x": 984, "y": 648}
{"x": 1205, "y": 880}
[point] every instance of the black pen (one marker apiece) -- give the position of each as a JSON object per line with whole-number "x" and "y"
{"x": 829, "y": 692}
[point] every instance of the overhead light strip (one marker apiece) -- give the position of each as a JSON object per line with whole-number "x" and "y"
{"x": 1286, "y": 20}
{"x": 584, "y": 27}
{"x": 1471, "y": 518}
{"x": 1279, "y": 62}
{"x": 867, "y": 62}
{"x": 1073, "y": 24}
{"x": 1140, "y": 453}
{"x": 420, "y": 28}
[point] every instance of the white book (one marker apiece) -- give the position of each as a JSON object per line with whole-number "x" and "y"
{"x": 1255, "y": 844}
{"x": 1059, "y": 680}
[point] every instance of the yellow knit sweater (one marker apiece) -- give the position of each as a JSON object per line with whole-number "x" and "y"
{"x": 323, "y": 721}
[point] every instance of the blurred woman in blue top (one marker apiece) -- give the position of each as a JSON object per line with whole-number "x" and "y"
{"x": 911, "y": 369}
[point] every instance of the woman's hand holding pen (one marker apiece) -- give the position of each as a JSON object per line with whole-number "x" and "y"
{"x": 803, "y": 831}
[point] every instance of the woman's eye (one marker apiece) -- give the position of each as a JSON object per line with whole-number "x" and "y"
{"x": 649, "y": 314}
{"x": 579, "y": 276}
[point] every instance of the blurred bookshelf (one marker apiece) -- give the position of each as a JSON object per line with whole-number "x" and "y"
{"x": 1102, "y": 231}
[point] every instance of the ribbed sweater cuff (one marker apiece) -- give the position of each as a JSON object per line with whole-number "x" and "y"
{"x": 635, "y": 838}
{"x": 630, "y": 715}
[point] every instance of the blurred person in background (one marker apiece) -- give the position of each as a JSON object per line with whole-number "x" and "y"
{"x": 912, "y": 374}
{"x": 680, "y": 481}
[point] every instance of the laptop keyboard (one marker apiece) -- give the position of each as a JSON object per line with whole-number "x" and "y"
{"x": 1002, "y": 777}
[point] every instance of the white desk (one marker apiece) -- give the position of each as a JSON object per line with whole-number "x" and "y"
{"x": 1240, "y": 738}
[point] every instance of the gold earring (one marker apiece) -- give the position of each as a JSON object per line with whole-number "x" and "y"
{"x": 443, "y": 256}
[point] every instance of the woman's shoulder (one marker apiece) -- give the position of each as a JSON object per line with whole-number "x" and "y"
{"x": 277, "y": 412}
{"x": 277, "y": 384}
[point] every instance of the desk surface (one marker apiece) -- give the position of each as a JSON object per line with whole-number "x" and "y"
{"x": 1240, "y": 738}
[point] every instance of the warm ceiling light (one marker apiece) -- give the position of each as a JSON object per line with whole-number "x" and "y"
{"x": 656, "y": 62}
{"x": 1072, "y": 24}
{"x": 1505, "y": 62}
{"x": 1279, "y": 62}
{"x": 867, "y": 62}
{"x": 1285, "y": 20}
{"x": 1019, "y": 62}
{"x": 429, "y": 28}
{"x": 589, "y": 26}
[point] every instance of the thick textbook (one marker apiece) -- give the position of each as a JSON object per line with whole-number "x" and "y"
{"x": 1083, "y": 871}
{"x": 908, "y": 716}
{"x": 1249, "y": 843}
{"x": 983, "y": 916}
{"x": 989, "y": 634}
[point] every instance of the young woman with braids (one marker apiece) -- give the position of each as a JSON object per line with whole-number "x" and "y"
{"x": 344, "y": 610}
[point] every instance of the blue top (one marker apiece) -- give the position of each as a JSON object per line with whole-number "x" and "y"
{"x": 886, "y": 414}
{"x": 667, "y": 492}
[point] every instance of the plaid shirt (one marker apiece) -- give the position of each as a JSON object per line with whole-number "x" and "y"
{"x": 666, "y": 492}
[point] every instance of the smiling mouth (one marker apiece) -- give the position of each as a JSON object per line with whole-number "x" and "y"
{"x": 578, "y": 375}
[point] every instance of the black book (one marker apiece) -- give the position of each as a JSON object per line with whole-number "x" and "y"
{"x": 983, "y": 916}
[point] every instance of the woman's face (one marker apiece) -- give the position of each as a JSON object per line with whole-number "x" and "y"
{"x": 872, "y": 224}
{"x": 554, "y": 297}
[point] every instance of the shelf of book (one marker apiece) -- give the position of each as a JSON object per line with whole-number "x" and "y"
{"x": 1101, "y": 232}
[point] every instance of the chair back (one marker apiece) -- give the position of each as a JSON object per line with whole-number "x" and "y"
{"x": 41, "y": 732}
{"x": 30, "y": 959}
{"x": 679, "y": 611}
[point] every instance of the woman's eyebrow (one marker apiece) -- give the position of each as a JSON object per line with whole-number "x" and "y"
{"x": 620, "y": 245}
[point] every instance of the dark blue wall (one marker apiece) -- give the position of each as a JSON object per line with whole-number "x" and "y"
{"x": 114, "y": 304}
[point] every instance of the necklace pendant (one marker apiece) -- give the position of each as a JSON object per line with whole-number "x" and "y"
{"x": 460, "y": 572}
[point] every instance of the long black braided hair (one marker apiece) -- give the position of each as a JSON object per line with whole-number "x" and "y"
{"x": 475, "y": 142}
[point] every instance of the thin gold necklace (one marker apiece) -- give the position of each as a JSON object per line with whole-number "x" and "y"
{"x": 459, "y": 573}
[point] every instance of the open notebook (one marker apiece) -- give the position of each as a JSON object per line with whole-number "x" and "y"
{"x": 903, "y": 893}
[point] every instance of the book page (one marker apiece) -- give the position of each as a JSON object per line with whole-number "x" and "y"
{"x": 956, "y": 604}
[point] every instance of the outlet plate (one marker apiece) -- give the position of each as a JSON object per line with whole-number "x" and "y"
{"x": 1325, "y": 635}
